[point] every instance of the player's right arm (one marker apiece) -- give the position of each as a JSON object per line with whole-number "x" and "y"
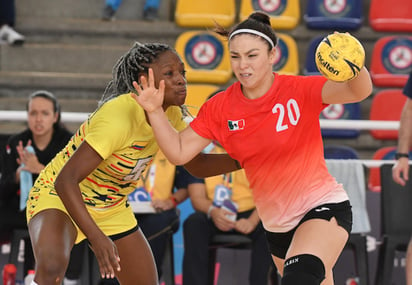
{"x": 400, "y": 171}
{"x": 178, "y": 147}
{"x": 354, "y": 90}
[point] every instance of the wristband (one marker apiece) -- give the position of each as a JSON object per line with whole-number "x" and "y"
{"x": 400, "y": 154}
{"x": 209, "y": 211}
{"x": 174, "y": 201}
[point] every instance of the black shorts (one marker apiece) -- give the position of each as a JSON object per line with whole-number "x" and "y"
{"x": 123, "y": 234}
{"x": 279, "y": 242}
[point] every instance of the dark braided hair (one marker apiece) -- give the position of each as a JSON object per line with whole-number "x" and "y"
{"x": 130, "y": 66}
{"x": 258, "y": 21}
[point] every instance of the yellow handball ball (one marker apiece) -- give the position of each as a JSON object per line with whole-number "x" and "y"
{"x": 340, "y": 57}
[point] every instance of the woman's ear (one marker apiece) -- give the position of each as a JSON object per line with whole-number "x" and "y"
{"x": 272, "y": 55}
{"x": 56, "y": 117}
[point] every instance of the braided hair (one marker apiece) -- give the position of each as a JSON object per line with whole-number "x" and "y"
{"x": 130, "y": 66}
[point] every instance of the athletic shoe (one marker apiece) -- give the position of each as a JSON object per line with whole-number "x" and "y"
{"x": 10, "y": 36}
{"x": 150, "y": 14}
{"x": 108, "y": 13}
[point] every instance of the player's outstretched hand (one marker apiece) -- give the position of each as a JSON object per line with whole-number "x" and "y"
{"x": 148, "y": 96}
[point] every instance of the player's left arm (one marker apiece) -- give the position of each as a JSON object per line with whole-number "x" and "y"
{"x": 351, "y": 91}
{"x": 206, "y": 165}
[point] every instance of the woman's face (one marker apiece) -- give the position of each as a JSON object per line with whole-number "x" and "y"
{"x": 41, "y": 116}
{"x": 170, "y": 68}
{"x": 251, "y": 61}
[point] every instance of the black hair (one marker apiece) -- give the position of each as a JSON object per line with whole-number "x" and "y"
{"x": 258, "y": 21}
{"x": 131, "y": 66}
{"x": 48, "y": 96}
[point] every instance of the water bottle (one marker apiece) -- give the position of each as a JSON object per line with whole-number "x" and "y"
{"x": 9, "y": 274}
{"x": 29, "y": 277}
{"x": 26, "y": 182}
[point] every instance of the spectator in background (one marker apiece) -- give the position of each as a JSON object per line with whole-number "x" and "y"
{"x": 150, "y": 9}
{"x": 211, "y": 218}
{"x": 7, "y": 19}
{"x": 159, "y": 182}
{"x": 400, "y": 171}
{"x": 47, "y": 136}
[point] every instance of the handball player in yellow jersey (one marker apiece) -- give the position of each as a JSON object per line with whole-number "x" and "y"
{"x": 82, "y": 193}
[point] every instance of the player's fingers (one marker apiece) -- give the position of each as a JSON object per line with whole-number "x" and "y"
{"x": 406, "y": 174}
{"x": 116, "y": 259}
{"x": 161, "y": 86}
{"x": 137, "y": 87}
{"x": 396, "y": 176}
{"x": 151, "y": 78}
{"x": 106, "y": 270}
{"x": 143, "y": 82}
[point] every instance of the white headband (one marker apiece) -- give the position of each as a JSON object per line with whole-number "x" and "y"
{"x": 250, "y": 31}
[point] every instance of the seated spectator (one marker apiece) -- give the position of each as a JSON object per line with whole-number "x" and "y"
{"x": 150, "y": 9}
{"x": 160, "y": 180}
{"x": 210, "y": 218}
{"x": 7, "y": 19}
{"x": 47, "y": 136}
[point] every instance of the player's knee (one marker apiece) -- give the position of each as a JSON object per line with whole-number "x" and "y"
{"x": 303, "y": 269}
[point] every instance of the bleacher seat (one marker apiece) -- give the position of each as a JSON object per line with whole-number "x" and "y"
{"x": 390, "y": 16}
{"x": 283, "y": 14}
{"x": 310, "y": 67}
{"x": 340, "y": 152}
{"x": 391, "y": 61}
{"x": 383, "y": 153}
{"x": 351, "y": 174}
{"x": 350, "y": 111}
{"x": 197, "y": 94}
{"x": 206, "y": 57}
{"x": 334, "y": 15}
{"x": 231, "y": 241}
{"x": 287, "y": 59}
{"x": 205, "y": 13}
{"x": 386, "y": 106}
{"x": 396, "y": 226}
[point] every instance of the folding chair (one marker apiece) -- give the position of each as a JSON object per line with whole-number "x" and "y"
{"x": 310, "y": 67}
{"x": 283, "y": 14}
{"x": 351, "y": 111}
{"x": 197, "y": 94}
{"x": 396, "y": 222}
{"x": 391, "y": 60}
{"x": 287, "y": 59}
{"x": 203, "y": 14}
{"x": 390, "y": 16}
{"x": 386, "y": 105}
{"x": 206, "y": 57}
{"x": 340, "y": 152}
{"x": 334, "y": 15}
{"x": 234, "y": 241}
{"x": 383, "y": 153}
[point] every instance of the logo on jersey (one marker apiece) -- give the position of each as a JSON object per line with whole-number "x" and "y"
{"x": 322, "y": 209}
{"x": 236, "y": 125}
